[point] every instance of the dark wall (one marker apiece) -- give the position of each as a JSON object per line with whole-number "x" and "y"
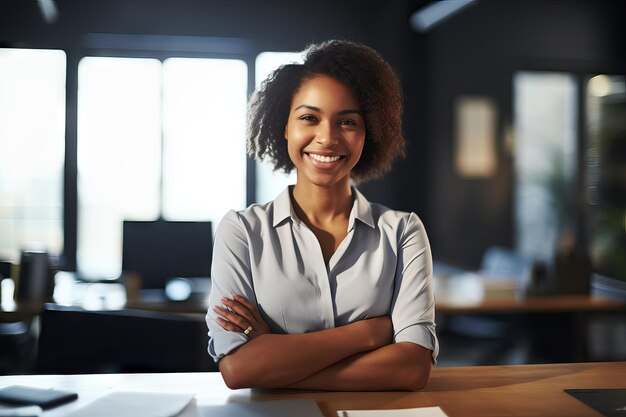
{"x": 268, "y": 24}
{"x": 476, "y": 53}
{"x": 473, "y": 52}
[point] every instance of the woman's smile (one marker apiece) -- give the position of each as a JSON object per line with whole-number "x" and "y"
{"x": 324, "y": 158}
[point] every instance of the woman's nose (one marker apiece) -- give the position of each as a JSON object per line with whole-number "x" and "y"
{"x": 326, "y": 135}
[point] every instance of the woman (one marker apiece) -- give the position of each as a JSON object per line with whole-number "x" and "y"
{"x": 320, "y": 289}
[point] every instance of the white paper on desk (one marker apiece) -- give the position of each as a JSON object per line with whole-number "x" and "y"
{"x": 135, "y": 404}
{"x": 280, "y": 408}
{"x": 405, "y": 412}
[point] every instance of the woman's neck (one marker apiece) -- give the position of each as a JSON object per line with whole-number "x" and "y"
{"x": 322, "y": 205}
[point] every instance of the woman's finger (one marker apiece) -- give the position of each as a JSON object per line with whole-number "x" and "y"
{"x": 248, "y": 305}
{"x": 259, "y": 325}
{"x": 227, "y": 325}
{"x": 232, "y": 317}
{"x": 238, "y": 308}
{"x": 244, "y": 315}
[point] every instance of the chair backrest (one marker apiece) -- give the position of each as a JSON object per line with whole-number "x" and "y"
{"x": 73, "y": 340}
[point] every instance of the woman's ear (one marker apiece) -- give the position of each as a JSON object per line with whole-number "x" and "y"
{"x": 285, "y": 133}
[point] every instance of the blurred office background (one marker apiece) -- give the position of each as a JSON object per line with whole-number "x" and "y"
{"x": 515, "y": 119}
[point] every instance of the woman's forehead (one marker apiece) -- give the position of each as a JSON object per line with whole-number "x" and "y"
{"x": 326, "y": 91}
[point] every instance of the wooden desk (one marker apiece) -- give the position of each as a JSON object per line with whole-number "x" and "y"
{"x": 544, "y": 304}
{"x": 522, "y": 390}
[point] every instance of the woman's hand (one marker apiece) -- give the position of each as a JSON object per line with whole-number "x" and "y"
{"x": 241, "y": 316}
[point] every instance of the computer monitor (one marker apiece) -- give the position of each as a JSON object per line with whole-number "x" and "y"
{"x": 161, "y": 250}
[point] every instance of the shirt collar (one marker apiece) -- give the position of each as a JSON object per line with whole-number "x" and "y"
{"x": 282, "y": 207}
{"x": 361, "y": 209}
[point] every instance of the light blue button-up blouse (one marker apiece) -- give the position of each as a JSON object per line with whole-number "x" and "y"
{"x": 382, "y": 267}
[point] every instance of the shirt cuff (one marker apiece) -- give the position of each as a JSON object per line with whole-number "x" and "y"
{"x": 421, "y": 334}
{"x": 222, "y": 342}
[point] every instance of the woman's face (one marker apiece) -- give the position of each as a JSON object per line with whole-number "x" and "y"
{"x": 325, "y": 132}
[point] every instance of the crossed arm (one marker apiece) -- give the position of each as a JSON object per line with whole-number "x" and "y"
{"x": 356, "y": 357}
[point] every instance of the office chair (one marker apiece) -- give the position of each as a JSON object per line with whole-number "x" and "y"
{"x": 75, "y": 341}
{"x": 17, "y": 344}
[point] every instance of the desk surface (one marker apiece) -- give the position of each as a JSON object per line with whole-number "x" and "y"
{"x": 520, "y": 390}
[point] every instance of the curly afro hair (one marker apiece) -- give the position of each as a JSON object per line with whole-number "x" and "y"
{"x": 373, "y": 83}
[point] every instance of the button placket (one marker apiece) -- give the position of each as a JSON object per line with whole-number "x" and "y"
{"x": 322, "y": 279}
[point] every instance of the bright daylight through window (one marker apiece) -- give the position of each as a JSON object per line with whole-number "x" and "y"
{"x": 155, "y": 139}
{"x": 32, "y": 135}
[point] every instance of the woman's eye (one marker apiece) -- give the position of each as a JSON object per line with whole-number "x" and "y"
{"x": 347, "y": 122}
{"x": 308, "y": 117}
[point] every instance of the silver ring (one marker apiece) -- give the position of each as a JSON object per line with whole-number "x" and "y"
{"x": 248, "y": 330}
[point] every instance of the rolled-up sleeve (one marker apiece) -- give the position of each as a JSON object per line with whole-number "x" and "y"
{"x": 413, "y": 303}
{"x": 230, "y": 274}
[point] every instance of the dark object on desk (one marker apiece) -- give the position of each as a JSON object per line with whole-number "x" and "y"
{"x": 44, "y": 398}
{"x": 160, "y": 250}
{"x": 572, "y": 272}
{"x": 74, "y": 340}
{"x": 608, "y": 402}
{"x": 35, "y": 281}
{"x": 5, "y": 269}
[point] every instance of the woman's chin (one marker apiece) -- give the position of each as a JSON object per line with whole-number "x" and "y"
{"x": 324, "y": 181}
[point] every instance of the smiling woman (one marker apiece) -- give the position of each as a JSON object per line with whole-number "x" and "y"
{"x": 321, "y": 289}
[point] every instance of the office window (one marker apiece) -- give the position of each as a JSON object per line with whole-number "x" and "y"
{"x": 204, "y": 113}
{"x": 119, "y": 155}
{"x": 545, "y": 160}
{"x": 270, "y": 183}
{"x": 32, "y": 143}
{"x": 155, "y": 139}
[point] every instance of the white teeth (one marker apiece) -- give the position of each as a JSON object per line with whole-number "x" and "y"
{"x": 322, "y": 158}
